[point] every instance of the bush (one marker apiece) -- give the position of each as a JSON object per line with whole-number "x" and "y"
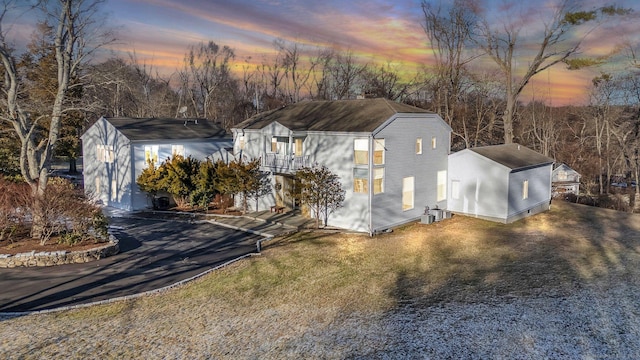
{"x": 15, "y": 201}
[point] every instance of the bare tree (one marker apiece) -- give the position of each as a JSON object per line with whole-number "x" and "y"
{"x": 557, "y": 44}
{"x": 296, "y": 71}
{"x": 344, "y": 72}
{"x": 206, "y": 78}
{"x": 73, "y": 39}
{"x": 384, "y": 81}
{"x": 449, "y": 31}
{"x": 319, "y": 85}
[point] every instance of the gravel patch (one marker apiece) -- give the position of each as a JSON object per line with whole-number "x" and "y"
{"x": 592, "y": 323}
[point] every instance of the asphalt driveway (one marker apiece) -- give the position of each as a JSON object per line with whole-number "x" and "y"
{"x": 153, "y": 254}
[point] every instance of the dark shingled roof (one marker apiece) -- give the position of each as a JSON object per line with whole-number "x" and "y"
{"x": 341, "y": 115}
{"x": 167, "y": 129}
{"x": 513, "y": 156}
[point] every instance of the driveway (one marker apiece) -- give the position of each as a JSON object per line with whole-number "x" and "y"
{"x": 153, "y": 254}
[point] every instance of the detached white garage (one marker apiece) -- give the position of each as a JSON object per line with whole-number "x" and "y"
{"x": 501, "y": 183}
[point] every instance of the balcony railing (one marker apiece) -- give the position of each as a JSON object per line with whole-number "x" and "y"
{"x": 284, "y": 163}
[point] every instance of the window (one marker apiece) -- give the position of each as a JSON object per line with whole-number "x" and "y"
{"x": 241, "y": 142}
{"x": 105, "y": 153}
{"x": 442, "y": 186}
{"x": 378, "y": 151}
{"x": 433, "y": 142}
{"x": 177, "y": 150}
{"x": 378, "y": 180}
{"x": 114, "y": 188}
{"x": 297, "y": 150}
{"x": 407, "y": 193}
{"x": 562, "y": 175}
{"x": 418, "y": 146}
{"x": 280, "y": 145}
{"x": 151, "y": 154}
{"x": 525, "y": 189}
{"x": 361, "y": 151}
{"x": 360, "y": 180}
{"x": 455, "y": 189}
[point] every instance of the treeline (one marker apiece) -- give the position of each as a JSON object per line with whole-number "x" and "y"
{"x": 481, "y": 103}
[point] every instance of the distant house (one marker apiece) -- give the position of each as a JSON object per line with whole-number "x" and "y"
{"x": 390, "y": 157}
{"x": 501, "y": 183}
{"x": 565, "y": 180}
{"x": 116, "y": 150}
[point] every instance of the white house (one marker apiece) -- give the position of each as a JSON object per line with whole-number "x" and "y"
{"x": 500, "y": 183}
{"x": 391, "y": 157}
{"x": 565, "y": 181}
{"x": 116, "y": 150}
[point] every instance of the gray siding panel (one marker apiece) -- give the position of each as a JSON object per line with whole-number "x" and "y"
{"x": 104, "y": 181}
{"x": 483, "y": 185}
{"x": 539, "y": 189}
{"x": 402, "y": 161}
{"x": 336, "y": 152}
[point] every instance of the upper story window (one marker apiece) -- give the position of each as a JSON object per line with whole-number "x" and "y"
{"x": 418, "y": 146}
{"x": 241, "y": 142}
{"x": 297, "y": 146}
{"x": 280, "y": 145}
{"x": 361, "y": 151}
{"x": 525, "y": 190}
{"x": 433, "y": 142}
{"x": 378, "y": 151}
{"x": 105, "y": 153}
{"x": 562, "y": 175}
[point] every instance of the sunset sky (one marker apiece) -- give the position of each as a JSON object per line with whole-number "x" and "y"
{"x": 159, "y": 31}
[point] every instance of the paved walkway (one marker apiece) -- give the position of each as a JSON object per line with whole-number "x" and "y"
{"x": 154, "y": 253}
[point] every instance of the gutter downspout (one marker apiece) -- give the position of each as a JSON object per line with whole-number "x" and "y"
{"x": 370, "y": 183}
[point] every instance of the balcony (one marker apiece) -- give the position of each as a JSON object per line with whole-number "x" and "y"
{"x": 284, "y": 163}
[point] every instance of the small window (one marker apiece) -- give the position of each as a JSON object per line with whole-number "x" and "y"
{"x": 562, "y": 175}
{"x": 274, "y": 145}
{"x": 114, "y": 188}
{"x": 433, "y": 142}
{"x": 151, "y": 154}
{"x": 418, "y": 146}
{"x": 360, "y": 180}
{"x": 407, "y": 193}
{"x": 241, "y": 142}
{"x": 455, "y": 189}
{"x": 361, "y": 151}
{"x": 525, "y": 189}
{"x": 297, "y": 146}
{"x": 177, "y": 150}
{"x": 441, "y": 186}
{"x": 378, "y": 180}
{"x": 378, "y": 152}
{"x": 105, "y": 153}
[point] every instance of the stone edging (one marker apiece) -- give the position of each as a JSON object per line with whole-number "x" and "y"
{"x": 32, "y": 258}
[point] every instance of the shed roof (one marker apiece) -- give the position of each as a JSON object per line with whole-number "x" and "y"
{"x": 513, "y": 156}
{"x": 340, "y": 115}
{"x": 167, "y": 128}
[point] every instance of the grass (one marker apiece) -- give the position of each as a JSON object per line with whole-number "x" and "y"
{"x": 313, "y": 279}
